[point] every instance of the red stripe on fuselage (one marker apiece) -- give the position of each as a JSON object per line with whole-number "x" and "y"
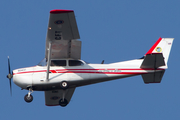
{"x": 98, "y": 71}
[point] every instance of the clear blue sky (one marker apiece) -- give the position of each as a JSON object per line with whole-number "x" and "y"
{"x": 110, "y": 30}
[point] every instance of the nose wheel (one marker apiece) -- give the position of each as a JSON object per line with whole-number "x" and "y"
{"x": 28, "y": 97}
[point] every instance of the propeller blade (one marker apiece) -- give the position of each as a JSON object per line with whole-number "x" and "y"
{"x": 9, "y": 76}
{"x": 10, "y": 86}
{"x": 9, "y": 65}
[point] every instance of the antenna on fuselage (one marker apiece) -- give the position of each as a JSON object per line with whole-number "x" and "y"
{"x": 102, "y": 62}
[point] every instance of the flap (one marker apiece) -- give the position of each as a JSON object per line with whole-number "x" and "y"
{"x": 64, "y": 49}
{"x": 52, "y": 97}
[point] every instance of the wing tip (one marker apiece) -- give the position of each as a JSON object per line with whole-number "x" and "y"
{"x": 57, "y": 11}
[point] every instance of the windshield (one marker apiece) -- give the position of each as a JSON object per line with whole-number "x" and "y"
{"x": 43, "y": 62}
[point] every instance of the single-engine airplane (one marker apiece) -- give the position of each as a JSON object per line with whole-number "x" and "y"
{"x": 62, "y": 69}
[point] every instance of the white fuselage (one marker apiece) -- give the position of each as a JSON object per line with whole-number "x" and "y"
{"x": 85, "y": 74}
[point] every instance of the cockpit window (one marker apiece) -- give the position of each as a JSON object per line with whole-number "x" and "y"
{"x": 75, "y": 63}
{"x": 43, "y": 62}
{"x": 58, "y": 62}
{"x": 61, "y": 63}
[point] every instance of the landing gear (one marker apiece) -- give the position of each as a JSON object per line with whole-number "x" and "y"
{"x": 63, "y": 103}
{"x": 64, "y": 85}
{"x": 28, "y": 97}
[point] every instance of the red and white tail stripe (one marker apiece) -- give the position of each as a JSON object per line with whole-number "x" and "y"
{"x": 162, "y": 45}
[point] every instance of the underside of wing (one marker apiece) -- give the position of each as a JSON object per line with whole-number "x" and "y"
{"x": 52, "y": 98}
{"x": 63, "y": 34}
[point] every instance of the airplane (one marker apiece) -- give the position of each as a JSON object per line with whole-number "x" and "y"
{"x": 62, "y": 69}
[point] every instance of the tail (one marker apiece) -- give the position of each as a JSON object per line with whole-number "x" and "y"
{"x": 157, "y": 57}
{"x": 162, "y": 45}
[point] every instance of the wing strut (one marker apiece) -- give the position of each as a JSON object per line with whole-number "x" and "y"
{"x": 49, "y": 60}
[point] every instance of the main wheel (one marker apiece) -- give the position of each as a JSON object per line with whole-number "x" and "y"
{"x": 28, "y": 99}
{"x": 64, "y": 85}
{"x": 63, "y": 103}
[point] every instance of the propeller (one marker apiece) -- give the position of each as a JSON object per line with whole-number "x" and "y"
{"x": 9, "y": 76}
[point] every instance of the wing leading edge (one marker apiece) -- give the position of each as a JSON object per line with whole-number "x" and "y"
{"x": 62, "y": 33}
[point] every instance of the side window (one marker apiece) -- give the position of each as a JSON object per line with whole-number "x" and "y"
{"x": 58, "y": 62}
{"x": 75, "y": 63}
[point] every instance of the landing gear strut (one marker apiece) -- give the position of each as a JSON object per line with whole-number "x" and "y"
{"x": 28, "y": 97}
{"x": 63, "y": 101}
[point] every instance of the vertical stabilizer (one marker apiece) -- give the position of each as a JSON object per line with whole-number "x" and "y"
{"x": 163, "y": 45}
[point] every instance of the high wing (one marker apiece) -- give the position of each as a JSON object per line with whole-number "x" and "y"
{"x": 61, "y": 42}
{"x": 62, "y": 34}
{"x": 52, "y": 97}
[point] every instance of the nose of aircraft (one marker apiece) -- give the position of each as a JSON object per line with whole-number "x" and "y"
{"x": 22, "y": 79}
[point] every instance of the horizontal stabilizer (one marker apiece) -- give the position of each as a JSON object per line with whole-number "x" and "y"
{"x": 153, "y": 60}
{"x": 153, "y": 77}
